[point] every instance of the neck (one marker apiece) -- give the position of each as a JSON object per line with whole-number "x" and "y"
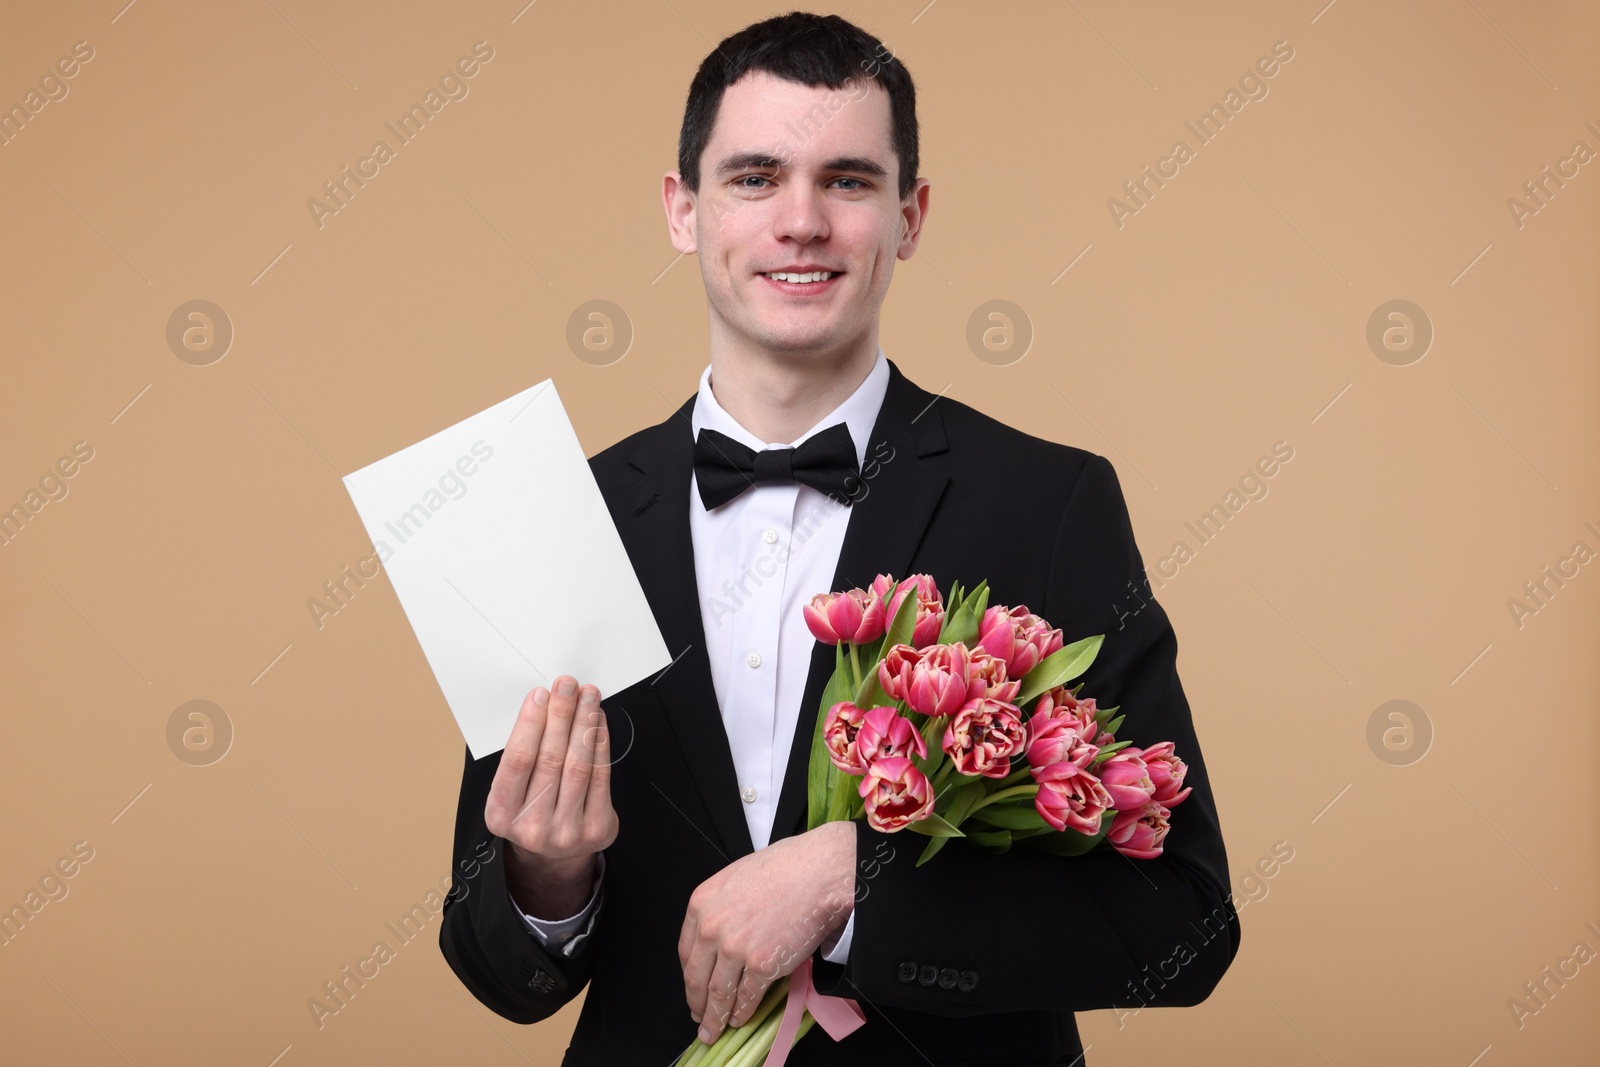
{"x": 777, "y": 395}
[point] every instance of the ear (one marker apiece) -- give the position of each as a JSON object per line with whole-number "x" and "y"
{"x": 679, "y": 202}
{"x": 913, "y": 213}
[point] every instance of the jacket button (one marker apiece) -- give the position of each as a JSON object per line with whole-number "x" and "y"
{"x": 968, "y": 981}
{"x": 947, "y": 978}
{"x": 928, "y": 975}
{"x": 908, "y": 971}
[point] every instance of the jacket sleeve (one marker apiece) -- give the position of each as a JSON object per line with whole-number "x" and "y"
{"x": 483, "y": 935}
{"x": 972, "y": 932}
{"x": 568, "y": 934}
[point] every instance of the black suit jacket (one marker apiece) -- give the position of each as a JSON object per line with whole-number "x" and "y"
{"x": 973, "y": 958}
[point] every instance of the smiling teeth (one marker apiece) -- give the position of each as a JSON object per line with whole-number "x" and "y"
{"x": 814, "y": 276}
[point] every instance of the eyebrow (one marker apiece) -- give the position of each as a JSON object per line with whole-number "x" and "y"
{"x": 767, "y": 162}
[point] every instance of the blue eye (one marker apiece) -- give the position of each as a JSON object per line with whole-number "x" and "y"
{"x": 739, "y": 183}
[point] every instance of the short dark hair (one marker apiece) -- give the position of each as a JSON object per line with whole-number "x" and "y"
{"x": 814, "y": 50}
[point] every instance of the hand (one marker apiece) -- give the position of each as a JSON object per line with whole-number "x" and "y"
{"x": 759, "y": 917}
{"x": 551, "y": 798}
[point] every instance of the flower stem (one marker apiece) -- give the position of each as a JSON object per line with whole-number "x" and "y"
{"x": 761, "y": 1042}
{"x": 855, "y": 670}
{"x": 1017, "y": 777}
{"x": 726, "y": 1049}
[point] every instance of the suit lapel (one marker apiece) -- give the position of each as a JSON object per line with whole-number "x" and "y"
{"x": 884, "y": 528}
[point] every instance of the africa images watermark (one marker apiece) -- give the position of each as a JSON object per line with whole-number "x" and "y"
{"x": 1539, "y": 994}
{"x": 453, "y": 87}
{"x": 1542, "y": 588}
{"x": 1255, "y": 890}
{"x": 53, "y": 89}
{"x": 1211, "y": 123}
{"x": 338, "y": 992}
{"x": 1252, "y": 487}
{"x": 52, "y": 888}
{"x": 1541, "y": 190}
{"x": 53, "y": 487}
{"x": 771, "y": 561}
{"x": 339, "y": 591}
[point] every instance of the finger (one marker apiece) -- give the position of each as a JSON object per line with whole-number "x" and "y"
{"x": 598, "y": 815}
{"x": 579, "y": 759}
{"x": 752, "y": 987}
{"x": 698, "y": 961}
{"x": 720, "y": 993}
{"x": 508, "y": 791}
{"x": 551, "y": 760}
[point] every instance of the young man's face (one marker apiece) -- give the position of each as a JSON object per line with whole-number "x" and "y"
{"x": 826, "y": 199}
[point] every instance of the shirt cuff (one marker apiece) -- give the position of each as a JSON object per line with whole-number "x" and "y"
{"x": 564, "y": 933}
{"x": 840, "y": 953}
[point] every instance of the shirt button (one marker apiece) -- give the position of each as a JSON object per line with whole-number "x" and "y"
{"x": 769, "y": 536}
{"x": 754, "y": 659}
{"x": 749, "y": 794}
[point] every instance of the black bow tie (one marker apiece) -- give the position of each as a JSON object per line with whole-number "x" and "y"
{"x": 826, "y": 461}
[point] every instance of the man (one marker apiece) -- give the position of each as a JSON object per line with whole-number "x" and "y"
{"x": 660, "y": 846}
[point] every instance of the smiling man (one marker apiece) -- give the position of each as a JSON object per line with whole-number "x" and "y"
{"x": 651, "y": 844}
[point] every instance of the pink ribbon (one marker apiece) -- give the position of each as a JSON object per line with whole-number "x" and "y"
{"x": 839, "y": 1016}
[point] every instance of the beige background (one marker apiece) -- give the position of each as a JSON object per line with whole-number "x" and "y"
{"x": 1228, "y": 314}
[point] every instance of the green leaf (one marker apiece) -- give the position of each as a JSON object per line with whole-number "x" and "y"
{"x": 977, "y": 596}
{"x": 904, "y": 622}
{"x": 818, "y": 778}
{"x": 1111, "y": 727}
{"x": 871, "y": 694}
{"x": 1023, "y": 835}
{"x": 952, "y": 602}
{"x": 934, "y": 845}
{"x": 962, "y": 802}
{"x": 934, "y": 826}
{"x": 1071, "y": 842}
{"x": 999, "y": 839}
{"x": 1011, "y": 818}
{"x": 1106, "y": 752}
{"x": 960, "y": 626}
{"x": 1062, "y": 665}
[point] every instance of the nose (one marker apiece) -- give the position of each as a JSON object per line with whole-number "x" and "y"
{"x": 802, "y": 213}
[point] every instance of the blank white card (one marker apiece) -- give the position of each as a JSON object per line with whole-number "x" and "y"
{"x": 502, "y": 553}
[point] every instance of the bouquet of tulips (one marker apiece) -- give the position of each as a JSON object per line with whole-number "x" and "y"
{"x": 950, "y": 717}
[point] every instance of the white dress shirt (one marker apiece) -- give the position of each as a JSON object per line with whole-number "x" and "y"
{"x": 758, "y": 560}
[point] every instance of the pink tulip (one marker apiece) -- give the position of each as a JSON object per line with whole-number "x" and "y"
{"x": 1018, "y": 637}
{"x": 839, "y": 729}
{"x": 896, "y": 794}
{"x": 1059, "y": 703}
{"x": 1138, "y": 832}
{"x": 930, "y": 605}
{"x": 1127, "y": 779}
{"x": 933, "y": 681}
{"x": 885, "y": 733}
{"x": 990, "y": 678}
{"x": 896, "y": 668}
{"x": 1056, "y": 741}
{"x": 982, "y": 737}
{"x": 1070, "y": 796}
{"x": 854, "y": 615}
{"x": 1166, "y": 771}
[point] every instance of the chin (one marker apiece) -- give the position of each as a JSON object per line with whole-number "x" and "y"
{"x": 799, "y": 342}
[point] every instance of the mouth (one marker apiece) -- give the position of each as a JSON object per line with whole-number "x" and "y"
{"x": 810, "y": 283}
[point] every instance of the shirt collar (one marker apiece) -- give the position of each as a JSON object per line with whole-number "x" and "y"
{"x": 859, "y": 411}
